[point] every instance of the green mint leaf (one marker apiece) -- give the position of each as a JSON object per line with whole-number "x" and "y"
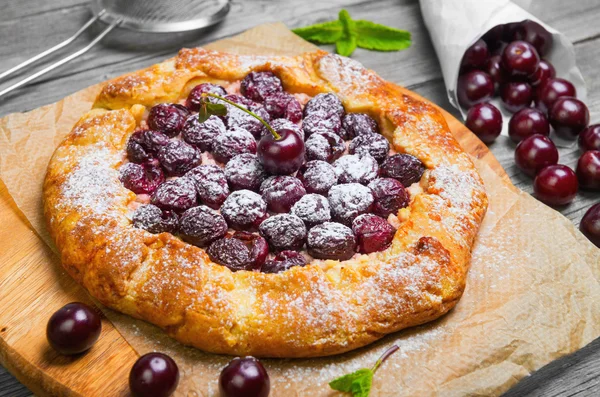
{"x": 361, "y": 386}
{"x": 344, "y": 383}
{"x": 374, "y": 36}
{"x": 216, "y": 109}
{"x": 347, "y": 43}
{"x": 323, "y": 33}
{"x": 203, "y": 114}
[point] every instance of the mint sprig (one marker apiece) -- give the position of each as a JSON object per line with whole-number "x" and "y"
{"x": 359, "y": 382}
{"x": 347, "y": 34}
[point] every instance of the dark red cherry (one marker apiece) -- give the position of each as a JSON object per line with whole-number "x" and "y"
{"x": 202, "y": 135}
{"x": 195, "y": 98}
{"x": 211, "y": 184}
{"x": 313, "y": 209}
{"x": 259, "y": 85}
{"x": 202, "y": 225}
{"x": 317, "y": 176}
{"x": 474, "y": 87}
{"x": 527, "y": 122}
{"x": 356, "y": 168}
{"x": 556, "y": 185}
{"x": 257, "y": 246}
{"x": 153, "y": 375}
{"x": 244, "y": 210}
{"x": 327, "y": 103}
{"x": 232, "y": 142}
{"x": 404, "y": 167}
{"x": 588, "y": 170}
{"x": 516, "y": 95}
{"x": 494, "y": 69}
{"x": 349, "y": 200}
{"x": 535, "y": 34}
{"x": 510, "y": 29}
{"x": 543, "y": 73}
{"x": 318, "y": 122}
{"x": 283, "y": 105}
{"x": 151, "y": 218}
{"x": 281, "y": 156}
{"x": 374, "y": 144}
{"x": 281, "y": 192}
{"x": 485, "y": 120}
{"x": 283, "y": 261}
{"x": 476, "y": 55}
{"x": 373, "y": 233}
{"x": 143, "y": 145}
{"x": 141, "y": 178}
{"x": 589, "y": 139}
{"x": 231, "y": 253}
{"x": 324, "y": 146}
{"x": 176, "y": 195}
{"x": 168, "y": 118}
{"x": 244, "y": 171}
{"x": 244, "y": 377}
{"x": 494, "y": 37}
{"x": 356, "y": 124}
{"x": 389, "y": 195}
{"x": 178, "y": 157}
{"x": 551, "y": 90}
{"x": 590, "y": 224}
{"x": 74, "y": 328}
{"x": 569, "y": 116}
{"x": 520, "y": 59}
{"x": 283, "y": 232}
{"x": 534, "y": 153}
{"x": 331, "y": 240}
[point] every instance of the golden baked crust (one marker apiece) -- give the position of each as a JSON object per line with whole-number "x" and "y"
{"x": 324, "y": 308}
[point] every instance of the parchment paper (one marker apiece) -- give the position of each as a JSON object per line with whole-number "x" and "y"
{"x": 532, "y": 295}
{"x": 454, "y": 25}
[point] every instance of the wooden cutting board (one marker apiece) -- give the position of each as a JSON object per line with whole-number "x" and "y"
{"x": 33, "y": 285}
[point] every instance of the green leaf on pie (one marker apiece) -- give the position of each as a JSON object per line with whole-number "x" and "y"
{"x": 203, "y": 114}
{"x": 323, "y": 33}
{"x": 216, "y": 109}
{"x": 374, "y": 36}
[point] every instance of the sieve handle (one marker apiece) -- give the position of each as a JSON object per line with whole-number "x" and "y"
{"x": 53, "y": 49}
{"x": 82, "y": 51}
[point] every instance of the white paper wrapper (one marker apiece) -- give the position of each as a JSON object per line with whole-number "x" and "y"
{"x": 454, "y": 25}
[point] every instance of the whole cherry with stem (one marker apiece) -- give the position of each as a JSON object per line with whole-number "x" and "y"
{"x": 281, "y": 152}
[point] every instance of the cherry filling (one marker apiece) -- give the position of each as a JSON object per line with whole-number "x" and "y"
{"x": 275, "y": 179}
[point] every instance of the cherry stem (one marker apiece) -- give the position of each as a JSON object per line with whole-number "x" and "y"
{"x": 275, "y": 134}
{"x": 391, "y": 350}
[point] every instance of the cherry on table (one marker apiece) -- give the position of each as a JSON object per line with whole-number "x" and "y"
{"x": 589, "y": 139}
{"x": 73, "y": 329}
{"x": 516, "y": 95}
{"x": 556, "y": 185}
{"x": 244, "y": 377}
{"x": 476, "y": 55}
{"x": 569, "y": 116}
{"x": 493, "y": 68}
{"x": 485, "y": 120}
{"x": 590, "y": 224}
{"x": 474, "y": 87}
{"x": 535, "y": 34}
{"x": 527, "y": 122}
{"x": 551, "y": 90}
{"x": 543, "y": 73}
{"x": 534, "y": 153}
{"x": 153, "y": 375}
{"x": 588, "y": 170}
{"x": 520, "y": 58}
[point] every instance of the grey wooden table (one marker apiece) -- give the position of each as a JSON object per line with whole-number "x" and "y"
{"x": 28, "y": 27}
